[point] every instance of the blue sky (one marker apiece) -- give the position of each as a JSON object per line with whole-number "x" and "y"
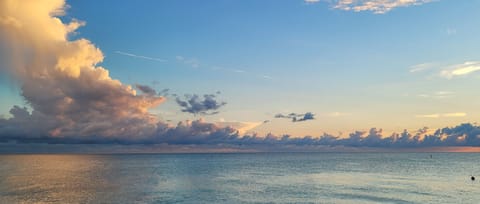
{"x": 352, "y": 69}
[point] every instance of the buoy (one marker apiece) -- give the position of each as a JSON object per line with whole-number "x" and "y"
{"x": 473, "y": 178}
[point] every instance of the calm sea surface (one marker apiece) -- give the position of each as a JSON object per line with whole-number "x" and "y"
{"x": 241, "y": 178}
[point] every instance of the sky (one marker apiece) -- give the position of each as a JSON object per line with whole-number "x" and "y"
{"x": 153, "y": 70}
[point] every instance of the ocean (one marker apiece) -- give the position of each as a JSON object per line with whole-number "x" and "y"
{"x": 241, "y": 178}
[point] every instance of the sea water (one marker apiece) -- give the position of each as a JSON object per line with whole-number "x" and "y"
{"x": 241, "y": 178}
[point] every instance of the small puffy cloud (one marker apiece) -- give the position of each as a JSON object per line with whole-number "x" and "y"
{"x": 375, "y": 6}
{"x": 297, "y": 117}
{"x": 460, "y": 69}
{"x": 195, "y": 104}
{"x": 306, "y": 116}
{"x": 163, "y": 92}
{"x": 146, "y": 89}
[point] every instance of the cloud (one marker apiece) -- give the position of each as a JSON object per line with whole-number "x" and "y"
{"x": 241, "y": 127}
{"x": 69, "y": 94}
{"x": 428, "y": 116}
{"x": 444, "y": 115}
{"x": 190, "y": 62}
{"x": 460, "y": 69}
{"x": 266, "y": 77}
{"x": 375, "y": 6}
{"x": 458, "y": 114}
{"x": 201, "y": 133}
{"x": 146, "y": 89}
{"x": 195, "y": 104}
{"x": 421, "y": 67}
{"x": 164, "y": 92}
{"x": 438, "y": 95}
{"x": 140, "y": 56}
{"x": 296, "y": 117}
{"x": 451, "y": 31}
{"x": 238, "y": 71}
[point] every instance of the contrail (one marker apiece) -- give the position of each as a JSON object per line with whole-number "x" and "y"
{"x": 140, "y": 56}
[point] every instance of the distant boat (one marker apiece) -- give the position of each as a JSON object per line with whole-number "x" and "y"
{"x": 473, "y": 178}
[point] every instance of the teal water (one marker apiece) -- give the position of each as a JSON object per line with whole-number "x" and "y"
{"x": 241, "y": 178}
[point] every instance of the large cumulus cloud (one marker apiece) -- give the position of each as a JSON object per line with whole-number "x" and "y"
{"x": 61, "y": 80}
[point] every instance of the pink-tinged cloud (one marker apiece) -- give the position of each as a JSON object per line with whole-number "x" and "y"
{"x": 59, "y": 78}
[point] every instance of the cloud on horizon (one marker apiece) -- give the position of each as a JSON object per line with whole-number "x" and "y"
{"x": 202, "y": 133}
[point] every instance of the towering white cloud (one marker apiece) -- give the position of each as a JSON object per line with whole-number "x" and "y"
{"x": 61, "y": 80}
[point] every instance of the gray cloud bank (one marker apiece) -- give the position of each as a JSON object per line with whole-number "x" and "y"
{"x": 22, "y": 129}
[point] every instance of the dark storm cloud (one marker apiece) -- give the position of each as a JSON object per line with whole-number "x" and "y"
{"x": 296, "y": 117}
{"x": 195, "y": 104}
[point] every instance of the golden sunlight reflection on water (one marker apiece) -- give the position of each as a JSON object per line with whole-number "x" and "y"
{"x": 241, "y": 178}
{"x": 52, "y": 178}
